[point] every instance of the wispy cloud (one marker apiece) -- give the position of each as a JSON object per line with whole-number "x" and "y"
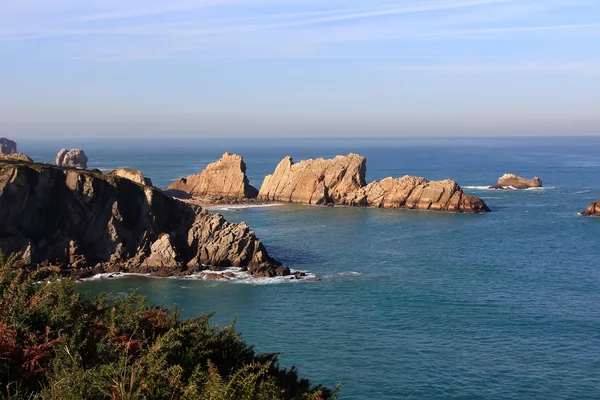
{"x": 506, "y": 67}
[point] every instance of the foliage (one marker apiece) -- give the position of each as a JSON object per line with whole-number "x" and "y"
{"x": 57, "y": 344}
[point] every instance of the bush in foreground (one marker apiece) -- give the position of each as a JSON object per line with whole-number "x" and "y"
{"x": 57, "y": 344}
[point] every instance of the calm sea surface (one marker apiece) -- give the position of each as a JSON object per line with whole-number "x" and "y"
{"x": 412, "y": 304}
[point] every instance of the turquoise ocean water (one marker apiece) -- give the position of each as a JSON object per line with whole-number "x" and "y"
{"x": 412, "y": 304}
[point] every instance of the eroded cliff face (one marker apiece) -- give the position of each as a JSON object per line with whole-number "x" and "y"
{"x": 341, "y": 181}
{"x": 133, "y": 175}
{"x": 317, "y": 181}
{"x": 225, "y": 177}
{"x": 593, "y": 210}
{"x": 517, "y": 182}
{"x": 85, "y": 222}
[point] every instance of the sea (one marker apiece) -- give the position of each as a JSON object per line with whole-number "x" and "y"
{"x": 411, "y": 304}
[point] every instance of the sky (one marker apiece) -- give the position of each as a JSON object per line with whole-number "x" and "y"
{"x": 299, "y": 68}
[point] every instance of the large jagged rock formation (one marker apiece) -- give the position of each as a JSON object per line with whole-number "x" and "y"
{"x": 133, "y": 175}
{"x": 16, "y": 157}
{"x": 225, "y": 177}
{"x": 7, "y": 146}
{"x": 341, "y": 181}
{"x": 85, "y": 222}
{"x": 416, "y": 193}
{"x": 317, "y": 181}
{"x": 74, "y": 158}
{"x": 516, "y": 182}
{"x": 593, "y": 210}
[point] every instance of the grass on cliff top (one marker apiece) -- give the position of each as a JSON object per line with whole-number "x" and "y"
{"x": 57, "y": 344}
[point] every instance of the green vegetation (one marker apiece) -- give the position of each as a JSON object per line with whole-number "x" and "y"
{"x": 57, "y": 344}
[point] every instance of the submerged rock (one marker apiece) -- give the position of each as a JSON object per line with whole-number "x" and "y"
{"x": 593, "y": 210}
{"x": 225, "y": 177}
{"x": 74, "y": 158}
{"x": 317, "y": 181}
{"x": 81, "y": 221}
{"x": 516, "y": 182}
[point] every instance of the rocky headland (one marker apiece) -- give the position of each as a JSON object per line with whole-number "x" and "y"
{"x": 81, "y": 223}
{"x": 223, "y": 181}
{"x": 8, "y": 151}
{"x": 74, "y": 158}
{"x": 133, "y": 175}
{"x": 341, "y": 181}
{"x": 510, "y": 181}
{"x": 593, "y": 210}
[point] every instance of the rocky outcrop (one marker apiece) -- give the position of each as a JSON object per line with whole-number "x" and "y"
{"x": 7, "y": 146}
{"x": 510, "y": 181}
{"x": 74, "y": 158}
{"x": 593, "y": 210}
{"x": 16, "y": 157}
{"x": 341, "y": 181}
{"x": 317, "y": 181}
{"x": 133, "y": 175}
{"x": 416, "y": 193}
{"x": 82, "y": 222}
{"x": 223, "y": 178}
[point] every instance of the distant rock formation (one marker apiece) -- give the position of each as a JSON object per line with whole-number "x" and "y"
{"x": 516, "y": 182}
{"x": 16, "y": 157}
{"x": 593, "y": 210}
{"x": 317, "y": 181}
{"x": 7, "y": 146}
{"x": 74, "y": 158}
{"x": 341, "y": 181}
{"x": 416, "y": 193}
{"x": 133, "y": 175}
{"x": 225, "y": 177}
{"x": 82, "y": 223}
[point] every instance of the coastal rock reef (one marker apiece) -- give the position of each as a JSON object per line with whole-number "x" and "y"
{"x": 510, "y": 181}
{"x": 223, "y": 178}
{"x": 593, "y": 210}
{"x": 8, "y": 151}
{"x": 83, "y": 222}
{"x": 74, "y": 158}
{"x": 341, "y": 181}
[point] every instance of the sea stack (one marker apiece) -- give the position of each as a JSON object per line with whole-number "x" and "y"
{"x": 317, "y": 181}
{"x": 223, "y": 178}
{"x": 593, "y": 210}
{"x": 341, "y": 181}
{"x": 74, "y": 158}
{"x": 82, "y": 223}
{"x": 510, "y": 181}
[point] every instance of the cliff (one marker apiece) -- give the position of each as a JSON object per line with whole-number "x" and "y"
{"x": 317, "y": 181}
{"x": 225, "y": 177}
{"x": 85, "y": 222}
{"x": 341, "y": 181}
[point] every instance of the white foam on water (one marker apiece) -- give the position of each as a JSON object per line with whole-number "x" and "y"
{"x": 241, "y": 207}
{"x": 506, "y": 188}
{"x": 113, "y": 275}
{"x": 476, "y": 187}
{"x": 582, "y": 192}
{"x": 242, "y": 277}
{"x": 343, "y": 275}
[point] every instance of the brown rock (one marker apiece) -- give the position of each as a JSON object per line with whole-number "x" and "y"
{"x": 133, "y": 175}
{"x": 77, "y": 219}
{"x": 226, "y": 177}
{"x": 215, "y": 277}
{"x": 16, "y": 157}
{"x": 516, "y": 182}
{"x": 74, "y": 158}
{"x": 416, "y": 193}
{"x": 593, "y": 210}
{"x": 317, "y": 181}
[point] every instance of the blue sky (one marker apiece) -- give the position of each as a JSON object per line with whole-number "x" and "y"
{"x": 150, "y": 68}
